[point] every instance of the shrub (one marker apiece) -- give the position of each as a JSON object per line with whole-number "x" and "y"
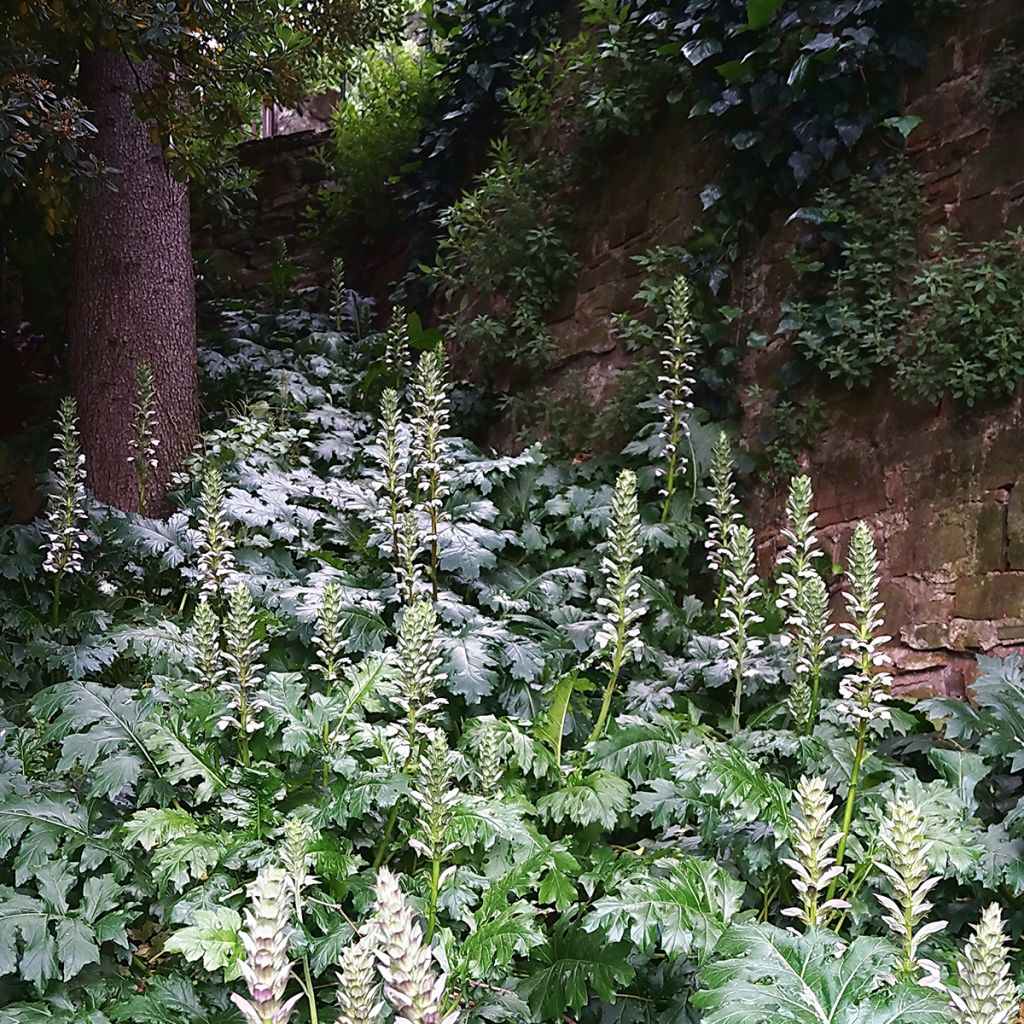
{"x": 374, "y": 130}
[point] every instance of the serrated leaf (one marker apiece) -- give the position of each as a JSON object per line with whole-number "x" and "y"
{"x": 596, "y": 799}
{"x": 571, "y": 966}
{"x": 683, "y": 913}
{"x": 213, "y": 939}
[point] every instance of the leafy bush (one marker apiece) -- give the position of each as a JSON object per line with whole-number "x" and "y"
{"x": 373, "y": 695}
{"x": 374, "y": 130}
{"x": 945, "y": 322}
{"x": 507, "y": 241}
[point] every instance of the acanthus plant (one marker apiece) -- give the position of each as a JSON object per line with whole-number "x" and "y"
{"x": 64, "y": 532}
{"x": 430, "y": 447}
{"x": 677, "y": 383}
{"x": 447, "y": 741}
{"x": 144, "y": 443}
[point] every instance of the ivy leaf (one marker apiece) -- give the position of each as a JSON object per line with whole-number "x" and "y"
{"x": 596, "y": 799}
{"x": 683, "y": 913}
{"x": 760, "y": 12}
{"x": 213, "y": 939}
{"x": 569, "y": 967}
{"x": 698, "y": 50}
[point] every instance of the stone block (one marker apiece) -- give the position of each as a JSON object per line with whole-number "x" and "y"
{"x": 1015, "y": 528}
{"x": 992, "y": 596}
{"x": 990, "y": 552}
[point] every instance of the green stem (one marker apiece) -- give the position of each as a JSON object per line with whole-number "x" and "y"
{"x": 326, "y": 742}
{"x": 670, "y": 477}
{"x": 851, "y": 799}
{"x": 433, "y": 550}
{"x": 310, "y": 994}
{"x": 815, "y": 693}
{"x": 389, "y": 828}
{"x": 56, "y": 598}
{"x": 435, "y": 884}
{"x": 609, "y": 690}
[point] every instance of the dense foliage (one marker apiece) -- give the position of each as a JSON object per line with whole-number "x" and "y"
{"x": 362, "y": 643}
{"x": 942, "y": 322}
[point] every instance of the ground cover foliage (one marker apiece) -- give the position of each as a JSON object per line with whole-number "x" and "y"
{"x": 379, "y": 723}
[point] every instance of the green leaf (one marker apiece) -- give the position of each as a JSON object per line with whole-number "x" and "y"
{"x": 498, "y": 934}
{"x": 190, "y": 857}
{"x": 213, "y": 939}
{"x": 596, "y": 799}
{"x": 155, "y": 826}
{"x": 552, "y": 728}
{"x": 571, "y": 966}
{"x": 766, "y": 975}
{"x": 962, "y": 771}
{"x": 75, "y": 946}
{"x": 683, "y": 913}
{"x": 170, "y": 1000}
{"x": 760, "y": 12}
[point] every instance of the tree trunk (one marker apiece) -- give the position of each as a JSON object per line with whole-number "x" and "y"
{"x": 132, "y": 295}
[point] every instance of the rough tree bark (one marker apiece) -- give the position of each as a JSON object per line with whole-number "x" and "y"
{"x": 132, "y": 295}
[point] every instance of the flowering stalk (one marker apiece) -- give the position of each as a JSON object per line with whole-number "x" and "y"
{"x": 242, "y": 651}
{"x": 338, "y": 290}
{"x": 144, "y": 443}
{"x": 65, "y": 509}
{"x": 359, "y": 999}
{"x": 905, "y": 849}
{"x": 408, "y": 570}
{"x": 488, "y": 757}
{"x": 419, "y": 662}
{"x": 329, "y": 645}
{"x": 297, "y": 858}
{"x": 266, "y": 968}
{"x": 430, "y": 446}
{"x": 723, "y": 516}
{"x": 436, "y": 797}
{"x": 393, "y": 463}
{"x": 865, "y": 691}
{"x": 207, "y": 665}
{"x": 677, "y": 392}
{"x": 397, "y": 354}
{"x": 987, "y": 993}
{"x": 216, "y": 563}
{"x": 618, "y": 636}
{"x": 412, "y": 985}
{"x": 800, "y": 599}
{"x": 815, "y": 867}
{"x": 742, "y": 590}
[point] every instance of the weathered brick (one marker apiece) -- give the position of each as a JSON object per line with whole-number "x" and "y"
{"x": 1015, "y": 528}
